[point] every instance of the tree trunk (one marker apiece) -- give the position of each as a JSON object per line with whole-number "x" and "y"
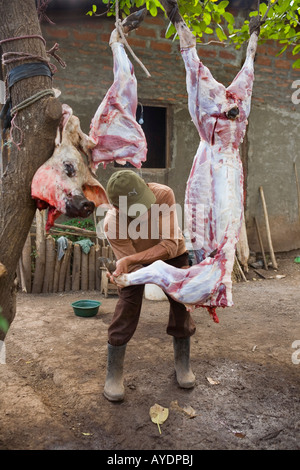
{"x": 38, "y": 123}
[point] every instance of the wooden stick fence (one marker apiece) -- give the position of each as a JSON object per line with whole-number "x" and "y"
{"x": 40, "y": 270}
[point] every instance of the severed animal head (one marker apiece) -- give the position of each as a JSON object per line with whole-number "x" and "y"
{"x": 65, "y": 184}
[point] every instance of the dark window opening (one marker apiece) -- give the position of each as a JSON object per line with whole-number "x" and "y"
{"x": 153, "y": 120}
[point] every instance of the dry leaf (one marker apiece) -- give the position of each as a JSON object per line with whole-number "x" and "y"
{"x": 188, "y": 410}
{"x": 239, "y": 434}
{"x": 158, "y": 415}
{"x": 212, "y": 381}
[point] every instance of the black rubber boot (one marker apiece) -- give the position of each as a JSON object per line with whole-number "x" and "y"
{"x": 114, "y": 388}
{"x": 184, "y": 374}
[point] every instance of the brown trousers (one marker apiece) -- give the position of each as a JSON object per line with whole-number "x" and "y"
{"x": 128, "y": 309}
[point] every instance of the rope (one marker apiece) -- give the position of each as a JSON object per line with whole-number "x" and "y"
{"x": 14, "y": 111}
{"x": 41, "y": 11}
{"x": 119, "y": 27}
{"x": 11, "y": 57}
{"x": 32, "y": 99}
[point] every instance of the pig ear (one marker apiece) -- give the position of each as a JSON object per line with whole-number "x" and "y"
{"x": 94, "y": 191}
{"x": 67, "y": 112}
{"x": 96, "y": 194}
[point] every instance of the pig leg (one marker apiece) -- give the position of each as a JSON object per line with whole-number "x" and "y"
{"x": 189, "y": 286}
{"x": 115, "y": 133}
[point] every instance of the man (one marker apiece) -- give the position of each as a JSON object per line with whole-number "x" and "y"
{"x": 139, "y": 234}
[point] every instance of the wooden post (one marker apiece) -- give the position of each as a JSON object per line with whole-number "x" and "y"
{"x": 261, "y": 244}
{"x": 56, "y": 274}
{"x": 26, "y": 263}
{"x": 76, "y": 267}
{"x": 97, "y": 267}
{"x": 84, "y": 271}
{"x": 272, "y": 254}
{"x": 242, "y": 247}
{"x": 92, "y": 268}
{"x": 68, "y": 273}
{"x": 50, "y": 264}
{"x": 64, "y": 267}
{"x": 41, "y": 253}
{"x": 22, "y": 277}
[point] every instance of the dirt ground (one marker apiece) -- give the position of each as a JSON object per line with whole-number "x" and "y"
{"x": 247, "y": 368}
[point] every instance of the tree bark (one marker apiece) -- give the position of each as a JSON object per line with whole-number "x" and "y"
{"x": 38, "y": 123}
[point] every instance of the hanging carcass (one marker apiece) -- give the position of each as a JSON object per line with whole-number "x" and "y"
{"x": 214, "y": 191}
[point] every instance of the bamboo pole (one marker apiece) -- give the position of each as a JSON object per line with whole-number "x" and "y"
{"x": 261, "y": 244}
{"x": 76, "y": 267}
{"x": 272, "y": 254}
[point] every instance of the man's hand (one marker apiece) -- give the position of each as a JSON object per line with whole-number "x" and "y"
{"x": 121, "y": 267}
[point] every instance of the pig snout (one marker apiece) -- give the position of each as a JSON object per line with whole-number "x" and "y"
{"x": 79, "y": 206}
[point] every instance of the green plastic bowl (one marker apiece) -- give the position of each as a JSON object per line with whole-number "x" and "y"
{"x": 86, "y": 308}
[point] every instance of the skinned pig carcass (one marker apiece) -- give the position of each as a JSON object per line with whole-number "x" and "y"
{"x": 65, "y": 184}
{"x": 214, "y": 191}
{"x": 114, "y": 132}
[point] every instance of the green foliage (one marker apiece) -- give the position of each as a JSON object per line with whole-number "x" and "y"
{"x": 3, "y": 323}
{"x": 208, "y": 17}
{"x": 85, "y": 224}
{"x": 281, "y": 24}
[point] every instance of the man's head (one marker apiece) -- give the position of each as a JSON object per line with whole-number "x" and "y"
{"x": 128, "y": 191}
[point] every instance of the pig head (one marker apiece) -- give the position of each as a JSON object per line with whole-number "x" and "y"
{"x": 65, "y": 184}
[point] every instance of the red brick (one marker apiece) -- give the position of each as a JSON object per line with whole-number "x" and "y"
{"x": 161, "y": 46}
{"x": 105, "y": 37}
{"x": 57, "y": 33}
{"x": 136, "y": 42}
{"x": 157, "y": 20}
{"x": 283, "y": 64}
{"x": 262, "y": 60}
{"x": 85, "y": 36}
{"x": 266, "y": 70}
{"x": 73, "y": 85}
{"x": 226, "y": 55}
{"x": 146, "y": 32}
{"x": 203, "y": 52}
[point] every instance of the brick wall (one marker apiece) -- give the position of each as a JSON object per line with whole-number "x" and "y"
{"x": 84, "y": 46}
